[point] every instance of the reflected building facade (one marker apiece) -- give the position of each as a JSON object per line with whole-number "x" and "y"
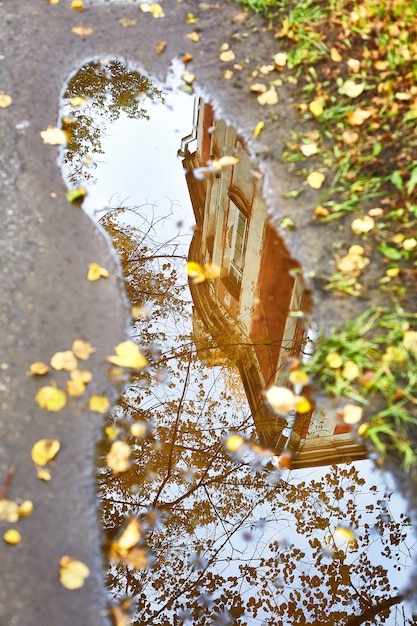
{"x": 254, "y": 310}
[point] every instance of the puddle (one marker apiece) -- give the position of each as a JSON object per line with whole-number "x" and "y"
{"x": 220, "y": 510}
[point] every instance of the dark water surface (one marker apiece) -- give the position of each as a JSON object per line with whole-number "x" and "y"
{"x": 221, "y": 511}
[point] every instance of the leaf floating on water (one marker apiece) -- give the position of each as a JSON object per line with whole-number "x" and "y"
{"x": 95, "y": 271}
{"x": 130, "y": 536}
{"x": 64, "y": 361}
{"x": 75, "y": 388}
{"x": 118, "y": 458}
{"x": 51, "y": 398}
{"x": 128, "y": 355}
{"x": 343, "y": 537}
{"x": 53, "y": 136}
{"x": 283, "y": 401}
{"x": 111, "y": 432}
{"x": 12, "y": 536}
{"x": 72, "y": 573}
{"x": 100, "y": 404}
{"x": 76, "y": 194}
{"x": 77, "y": 101}
{"x": 199, "y": 273}
{"x": 82, "y": 349}
{"x": 44, "y": 451}
{"x": 258, "y": 129}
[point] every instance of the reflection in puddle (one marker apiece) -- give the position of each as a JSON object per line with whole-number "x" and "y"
{"x": 205, "y": 522}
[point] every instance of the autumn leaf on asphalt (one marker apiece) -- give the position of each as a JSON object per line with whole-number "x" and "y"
{"x": 5, "y": 101}
{"x": 53, "y": 136}
{"x": 258, "y": 88}
{"x": 83, "y": 376}
{"x": 64, "y": 361}
{"x": 315, "y": 180}
{"x": 75, "y": 388}
{"x": 100, "y": 404}
{"x": 269, "y": 97}
{"x": 118, "y": 457}
{"x": 128, "y": 355}
{"x": 95, "y": 271}
{"x": 72, "y": 573}
{"x": 77, "y": 5}
{"x": 9, "y": 510}
{"x": 160, "y": 47}
{"x": 154, "y": 9}
{"x": 127, "y": 23}
{"x": 227, "y": 56}
{"x": 38, "y": 369}
{"x": 82, "y": 349}
{"x": 258, "y": 129}
{"x": 12, "y": 536}
{"x": 44, "y": 451}
{"x": 82, "y": 31}
{"x": 26, "y": 508}
{"x": 194, "y": 36}
{"x": 51, "y": 398}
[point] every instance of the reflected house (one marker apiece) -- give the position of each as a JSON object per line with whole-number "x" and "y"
{"x": 252, "y": 312}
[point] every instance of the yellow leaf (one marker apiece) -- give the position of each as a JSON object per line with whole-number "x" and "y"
{"x": 350, "y": 370}
{"x": 51, "y": 398}
{"x": 138, "y": 429}
{"x": 234, "y": 442}
{"x": 350, "y": 137}
{"x": 335, "y": 55}
{"x": 77, "y": 5}
{"x": 77, "y": 101}
{"x": 228, "y": 74}
{"x": 302, "y": 405}
{"x": 5, "y": 101}
{"x": 111, "y": 432}
{"x": 95, "y": 271}
{"x": 82, "y": 376}
{"x": 72, "y": 573}
{"x": 298, "y": 377}
{"x": 9, "y": 511}
{"x": 315, "y": 180}
{"x": 354, "y": 65}
{"x": 64, "y": 361}
{"x": 44, "y": 451}
{"x": 43, "y": 474}
{"x": 343, "y": 537}
{"x": 128, "y": 355}
{"x": 280, "y": 59}
{"x": 12, "y": 536}
{"x": 118, "y": 458}
{"x": 130, "y": 536}
{"x": 362, "y": 225}
{"x": 75, "y": 388}
{"x": 321, "y": 211}
{"x": 351, "y": 89}
{"x": 126, "y": 22}
{"x": 101, "y": 404}
{"x": 393, "y": 354}
{"x": 334, "y": 360}
{"x": 26, "y": 508}
{"x": 269, "y": 97}
{"x": 82, "y": 31}
{"x": 188, "y": 78}
{"x": 199, "y": 273}
{"x": 53, "y": 136}
{"x": 258, "y": 129}
{"x": 195, "y": 37}
{"x": 308, "y": 149}
{"x": 258, "y": 88}
{"x": 316, "y": 107}
{"x": 281, "y": 399}
{"x": 410, "y": 340}
{"x": 38, "y": 369}
{"x": 358, "y": 116}
{"x": 82, "y": 349}
{"x": 227, "y": 56}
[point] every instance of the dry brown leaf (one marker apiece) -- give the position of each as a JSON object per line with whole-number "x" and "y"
{"x": 187, "y": 58}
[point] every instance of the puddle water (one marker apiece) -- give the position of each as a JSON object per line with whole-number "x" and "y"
{"x": 216, "y": 509}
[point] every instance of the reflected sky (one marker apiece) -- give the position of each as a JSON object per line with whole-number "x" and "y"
{"x": 232, "y": 521}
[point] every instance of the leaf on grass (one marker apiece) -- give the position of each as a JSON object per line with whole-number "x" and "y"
{"x": 118, "y": 458}
{"x": 315, "y": 180}
{"x": 82, "y": 31}
{"x": 100, "y": 404}
{"x": 95, "y": 271}
{"x": 154, "y": 9}
{"x": 308, "y": 149}
{"x": 350, "y": 370}
{"x": 258, "y": 129}
{"x": 410, "y": 341}
{"x": 5, "y": 101}
{"x": 316, "y": 107}
{"x": 51, "y": 398}
{"x": 128, "y": 355}
{"x": 64, "y": 361}
{"x": 335, "y": 55}
{"x": 38, "y": 369}
{"x": 269, "y": 97}
{"x": 350, "y": 137}
{"x": 72, "y": 573}
{"x": 280, "y": 59}
{"x": 334, "y": 360}
{"x": 53, "y": 136}
{"x": 12, "y": 536}
{"x": 82, "y": 349}
{"x": 44, "y": 451}
{"x": 351, "y": 89}
{"x": 358, "y": 116}
{"x": 362, "y": 225}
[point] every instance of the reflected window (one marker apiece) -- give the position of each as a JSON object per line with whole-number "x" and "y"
{"x": 240, "y": 227}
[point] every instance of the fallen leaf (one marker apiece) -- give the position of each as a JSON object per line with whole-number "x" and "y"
{"x": 258, "y": 88}
{"x": 72, "y": 573}
{"x": 350, "y": 370}
{"x": 410, "y": 341}
{"x": 199, "y": 273}
{"x": 12, "y": 536}
{"x": 5, "y": 101}
{"x": 38, "y": 369}
{"x": 362, "y": 225}
{"x": 82, "y": 31}
{"x": 73, "y": 195}
{"x": 187, "y": 58}
{"x": 358, "y": 116}
{"x": 160, "y": 47}
{"x": 334, "y": 360}
{"x": 316, "y": 107}
{"x": 44, "y": 474}
{"x": 227, "y": 56}
{"x": 77, "y": 5}
{"x": 9, "y": 511}
{"x": 321, "y": 211}
{"x": 127, "y": 23}
{"x": 269, "y": 97}
{"x": 118, "y": 458}
{"x": 51, "y": 398}
{"x": 228, "y": 74}
{"x": 128, "y": 355}
{"x": 100, "y": 404}
{"x": 95, "y": 271}
{"x": 44, "y": 451}
{"x": 258, "y": 129}
{"x": 308, "y": 149}
{"x": 266, "y": 69}
{"x": 188, "y": 78}
{"x": 194, "y": 36}
{"x": 191, "y": 18}
{"x": 280, "y": 59}
{"x": 111, "y": 432}
{"x": 26, "y": 508}
{"x": 350, "y": 137}
{"x": 335, "y": 55}
{"x": 75, "y": 388}
{"x": 77, "y": 101}
{"x": 283, "y": 401}
{"x": 130, "y": 536}
{"x": 82, "y": 349}
{"x": 315, "y": 180}
{"x": 64, "y": 361}
{"x": 53, "y": 136}
{"x": 354, "y": 65}
{"x": 83, "y": 376}
{"x": 138, "y": 429}
{"x": 351, "y": 89}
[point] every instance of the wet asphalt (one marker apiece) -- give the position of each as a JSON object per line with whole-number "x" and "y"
{"x": 46, "y": 245}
